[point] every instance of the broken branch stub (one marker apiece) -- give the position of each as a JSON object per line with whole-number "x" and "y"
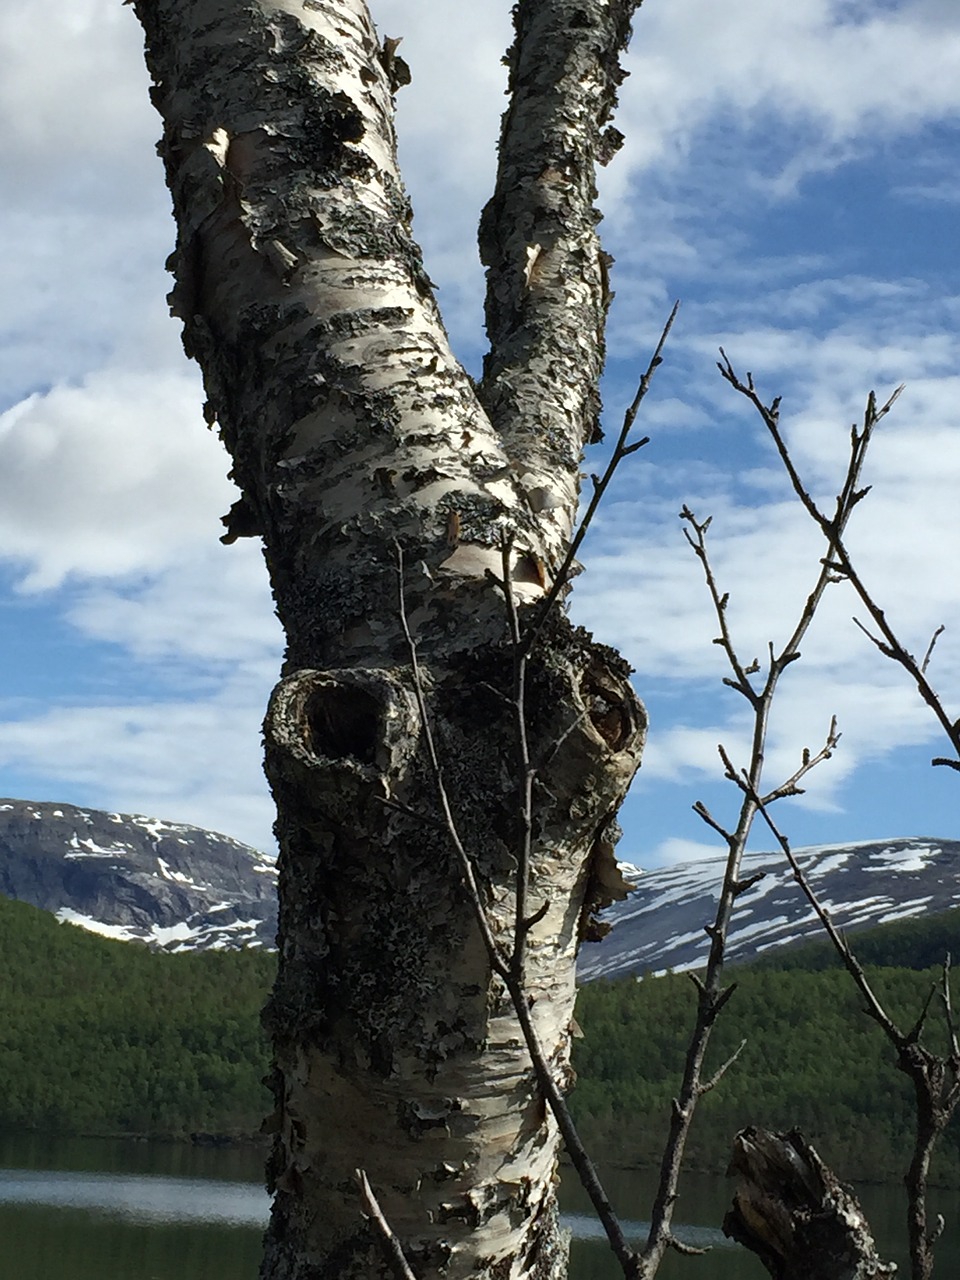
{"x": 795, "y": 1214}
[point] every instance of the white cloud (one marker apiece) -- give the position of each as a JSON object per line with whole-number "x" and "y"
{"x": 72, "y": 96}
{"x": 211, "y": 611}
{"x": 676, "y": 851}
{"x": 839, "y": 73}
{"x": 115, "y": 476}
{"x": 195, "y": 761}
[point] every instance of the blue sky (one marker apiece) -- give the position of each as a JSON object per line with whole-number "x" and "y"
{"x": 792, "y": 173}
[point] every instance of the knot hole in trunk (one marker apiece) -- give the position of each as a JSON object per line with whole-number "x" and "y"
{"x": 343, "y": 722}
{"x": 352, "y": 722}
{"x": 610, "y": 708}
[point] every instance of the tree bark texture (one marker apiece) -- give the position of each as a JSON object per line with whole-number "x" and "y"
{"x": 353, "y": 430}
{"x": 794, "y": 1213}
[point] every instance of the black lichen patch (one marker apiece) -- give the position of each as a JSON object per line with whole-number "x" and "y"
{"x": 479, "y": 517}
{"x": 329, "y": 121}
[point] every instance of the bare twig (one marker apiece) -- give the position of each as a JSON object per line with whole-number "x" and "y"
{"x": 874, "y": 1007}
{"x": 622, "y": 449}
{"x": 930, "y": 647}
{"x": 391, "y": 1245}
{"x": 558, "y": 742}
{"x": 701, "y": 810}
{"x": 724, "y": 1067}
{"x": 807, "y": 762}
{"x": 711, "y": 995}
{"x": 397, "y": 806}
{"x": 698, "y": 541}
{"x": 838, "y": 557}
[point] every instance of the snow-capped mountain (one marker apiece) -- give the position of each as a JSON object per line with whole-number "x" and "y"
{"x": 174, "y": 887}
{"x": 180, "y": 888}
{"x": 661, "y": 924}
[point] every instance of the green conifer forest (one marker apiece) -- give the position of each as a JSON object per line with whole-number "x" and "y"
{"x": 107, "y": 1037}
{"x": 102, "y": 1037}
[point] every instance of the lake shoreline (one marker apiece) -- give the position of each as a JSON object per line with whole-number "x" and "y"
{"x": 244, "y": 1140}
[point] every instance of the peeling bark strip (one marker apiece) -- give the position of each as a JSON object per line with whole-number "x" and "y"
{"x": 353, "y": 430}
{"x": 795, "y": 1215}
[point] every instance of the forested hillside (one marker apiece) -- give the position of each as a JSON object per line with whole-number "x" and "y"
{"x": 811, "y": 1059}
{"x": 919, "y": 943}
{"x": 109, "y": 1037}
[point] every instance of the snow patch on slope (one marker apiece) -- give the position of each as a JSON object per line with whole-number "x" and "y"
{"x": 661, "y": 924}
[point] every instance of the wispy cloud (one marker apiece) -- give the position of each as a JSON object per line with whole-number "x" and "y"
{"x": 192, "y": 761}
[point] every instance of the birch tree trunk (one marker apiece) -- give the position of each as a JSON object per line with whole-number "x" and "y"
{"x": 353, "y": 430}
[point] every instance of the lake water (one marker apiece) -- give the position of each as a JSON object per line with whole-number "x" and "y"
{"x": 101, "y": 1210}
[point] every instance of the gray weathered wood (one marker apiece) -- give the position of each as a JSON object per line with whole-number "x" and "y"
{"x": 795, "y": 1214}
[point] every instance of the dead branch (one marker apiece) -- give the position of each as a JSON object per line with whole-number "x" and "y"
{"x": 795, "y": 1215}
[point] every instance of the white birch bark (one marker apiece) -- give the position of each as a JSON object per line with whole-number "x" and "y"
{"x": 352, "y": 429}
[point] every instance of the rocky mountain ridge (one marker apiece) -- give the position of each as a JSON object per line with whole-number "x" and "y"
{"x": 172, "y": 886}
{"x": 872, "y": 882}
{"x": 178, "y": 888}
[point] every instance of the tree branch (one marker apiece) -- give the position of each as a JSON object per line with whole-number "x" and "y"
{"x": 392, "y": 1248}
{"x": 838, "y": 558}
{"x": 547, "y": 278}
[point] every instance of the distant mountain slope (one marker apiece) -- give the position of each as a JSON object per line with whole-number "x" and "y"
{"x": 180, "y": 888}
{"x": 171, "y": 886}
{"x": 661, "y": 925}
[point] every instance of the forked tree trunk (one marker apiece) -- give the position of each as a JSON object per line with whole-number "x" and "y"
{"x": 353, "y": 430}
